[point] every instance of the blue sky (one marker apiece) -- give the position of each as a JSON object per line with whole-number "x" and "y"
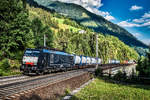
{"x": 133, "y": 15}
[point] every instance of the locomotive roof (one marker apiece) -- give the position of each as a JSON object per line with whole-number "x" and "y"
{"x": 49, "y": 51}
{"x": 56, "y": 52}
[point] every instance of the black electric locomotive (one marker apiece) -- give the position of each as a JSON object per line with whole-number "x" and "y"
{"x": 41, "y": 61}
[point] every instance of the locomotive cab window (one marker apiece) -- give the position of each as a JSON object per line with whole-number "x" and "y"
{"x": 32, "y": 53}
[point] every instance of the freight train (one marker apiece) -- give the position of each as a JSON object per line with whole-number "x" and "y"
{"x": 41, "y": 61}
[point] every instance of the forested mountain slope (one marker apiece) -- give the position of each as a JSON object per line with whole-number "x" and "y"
{"x": 79, "y": 39}
{"x": 88, "y": 19}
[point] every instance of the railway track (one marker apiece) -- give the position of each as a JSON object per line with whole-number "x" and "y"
{"x": 4, "y": 78}
{"x": 7, "y": 90}
{"x": 12, "y": 79}
{"x": 18, "y": 84}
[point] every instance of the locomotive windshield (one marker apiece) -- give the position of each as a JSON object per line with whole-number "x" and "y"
{"x": 32, "y": 53}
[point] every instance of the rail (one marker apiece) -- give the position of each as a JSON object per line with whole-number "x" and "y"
{"x": 6, "y": 91}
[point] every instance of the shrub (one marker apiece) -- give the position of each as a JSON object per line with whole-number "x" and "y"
{"x": 1, "y": 55}
{"x": 67, "y": 91}
{"x": 5, "y": 65}
{"x": 15, "y": 64}
{"x": 99, "y": 72}
{"x": 120, "y": 76}
{"x": 1, "y": 72}
{"x": 143, "y": 66}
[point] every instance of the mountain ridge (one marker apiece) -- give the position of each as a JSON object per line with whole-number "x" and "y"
{"x": 88, "y": 19}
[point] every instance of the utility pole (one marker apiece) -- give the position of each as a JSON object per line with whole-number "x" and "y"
{"x": 96, "y": 49}
{"x": 44, "y": 40}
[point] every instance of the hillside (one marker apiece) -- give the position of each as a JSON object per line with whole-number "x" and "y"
{"x": 88, "y": 19}
{"x": 79, "y": 39}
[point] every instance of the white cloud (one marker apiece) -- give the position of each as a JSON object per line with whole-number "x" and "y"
{"x": 92, "y": 6}
{"x": 137, "y": 35}
{"x": 84, "y": 3}
{"x": 135, "y": 7}
{"x": 146, "y": 41}
{"x": 103, "y": 13}
{"x": 146, "y": 15}
{"x": 146, "y": 24}
{"x": 138, "y": 20}
{"x": 106, "y": 15}
{"x": 144, "y": 21}
{"x": 109, "y": 17}
{"x": 128, "y": 24}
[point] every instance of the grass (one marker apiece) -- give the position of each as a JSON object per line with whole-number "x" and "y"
{"x": 60, "y": 21}
{"x": 10, "y": 72}
{"x": 101, "y": 89}
{"x": 64, "y": 26}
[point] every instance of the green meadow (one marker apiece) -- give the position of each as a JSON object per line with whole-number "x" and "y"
{"x": 101, "y": 89}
